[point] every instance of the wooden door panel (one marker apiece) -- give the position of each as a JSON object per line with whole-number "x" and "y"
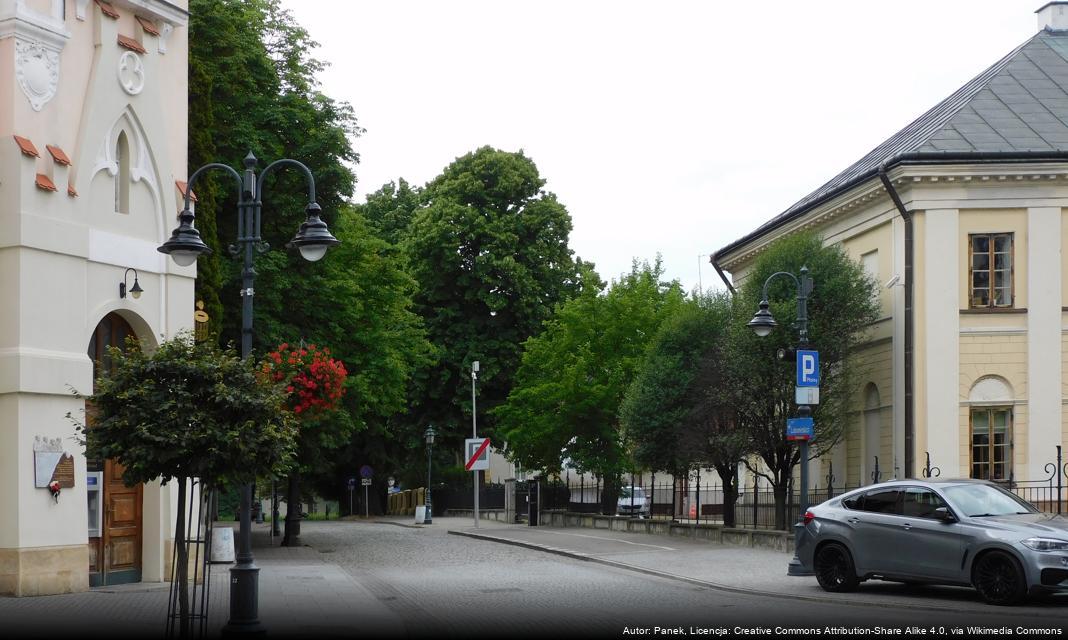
{"x": 122, "y": 527}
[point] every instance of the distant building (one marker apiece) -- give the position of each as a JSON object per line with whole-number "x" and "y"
{"x": 92, "y": 160}
{"x": 968, "y": 361}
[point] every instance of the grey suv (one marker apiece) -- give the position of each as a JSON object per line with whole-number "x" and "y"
{"x": 957, "y": 532}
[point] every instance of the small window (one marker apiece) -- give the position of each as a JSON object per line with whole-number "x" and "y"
{"x": 990, "y": 270}
{"x": 854, "y": 502}
{"x": 921, "y": 503}
{"x": 883, "y": 501}
{"x": 991, "y": 443}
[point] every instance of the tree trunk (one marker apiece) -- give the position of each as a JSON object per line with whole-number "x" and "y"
{"x": 182, "y": 558}
{"x": 729, "y": 475}
{"x": 779, "y": 490}
{"x": 610, "y": 496}
{"x": 292, "y": 534}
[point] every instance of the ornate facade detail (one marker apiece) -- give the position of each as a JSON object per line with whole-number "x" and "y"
{"x": 37, "y": 71}
{"x": 131, "y": 73}
{"x": 165, "y": 31}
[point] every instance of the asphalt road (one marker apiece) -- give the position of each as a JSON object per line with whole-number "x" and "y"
{"x": 442, "y": 585}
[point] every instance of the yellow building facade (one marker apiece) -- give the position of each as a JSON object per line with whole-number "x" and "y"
{"x": 961, "y": 218}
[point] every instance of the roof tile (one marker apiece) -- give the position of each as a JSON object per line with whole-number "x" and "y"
{"x": 57, "y": 155}
{"x": 71, "y": 192}
{"x": 148, "y": 25}
{"x": 182, "y": 186}
{"x": 44, "y": 182}
{"x": 108, "y": 10}
{"x": 26, "y": 147}
{"x": 131, "y": 44}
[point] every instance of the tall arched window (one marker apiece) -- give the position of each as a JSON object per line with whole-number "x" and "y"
{"x": 990, "y": 418}
{"x": 122, "y": 178}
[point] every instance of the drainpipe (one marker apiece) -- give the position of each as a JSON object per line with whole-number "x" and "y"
{"x": 722, "y": 276}
{"x": 910, "y": 429}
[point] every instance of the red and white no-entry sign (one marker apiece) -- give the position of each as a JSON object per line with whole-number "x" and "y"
{"x": 476, "y": 452}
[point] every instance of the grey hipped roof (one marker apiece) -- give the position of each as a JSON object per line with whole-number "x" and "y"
{"x": 1016, "y": 109}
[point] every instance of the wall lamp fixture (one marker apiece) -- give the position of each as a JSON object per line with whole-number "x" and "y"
{"x": 135, "y": 290}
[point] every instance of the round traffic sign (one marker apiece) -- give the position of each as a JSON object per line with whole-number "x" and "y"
{"x": 366, "y": 471}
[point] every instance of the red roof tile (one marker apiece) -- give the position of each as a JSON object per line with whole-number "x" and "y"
{"x": 44, "y": 182}
{"x": 131, "y": 44}
{"x": 147, "y": 25}
{"x": 108, "y": 10}
{"x": 27, "y": 147}
{"x": 71, "y": 192}
{"x": 57, "y": 154}
{"x": 181, "y": 189}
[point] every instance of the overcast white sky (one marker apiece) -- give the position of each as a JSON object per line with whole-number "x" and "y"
{"x": 667, "y": 126}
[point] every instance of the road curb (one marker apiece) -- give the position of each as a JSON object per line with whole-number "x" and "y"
{"x": 715, "y": 585}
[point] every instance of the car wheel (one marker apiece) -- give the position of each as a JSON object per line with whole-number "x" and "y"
{"x": 998, "y": 578}
{"x": 834, "y": 569}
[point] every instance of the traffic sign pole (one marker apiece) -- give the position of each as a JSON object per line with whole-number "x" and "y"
{"x": 474, "y": 429}
{"x": 365, "y": 503}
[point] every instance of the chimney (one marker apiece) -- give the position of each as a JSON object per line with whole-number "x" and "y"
{"x": 1053, "y": 16}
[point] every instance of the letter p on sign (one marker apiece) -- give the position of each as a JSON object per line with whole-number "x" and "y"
{"x": 808, "y": 368}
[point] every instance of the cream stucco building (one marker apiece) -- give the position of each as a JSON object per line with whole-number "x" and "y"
{"x": 92, "y": 155}
{"x": 961, "y": 217}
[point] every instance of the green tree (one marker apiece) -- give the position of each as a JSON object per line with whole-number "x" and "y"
{"x": 573, "y": 377}
{"x": 188, "y": 410}
{"x": 489, "y": 251}
{"x": 253, "y": 87}
{"x": 842, "y": 307}
{"x": 390, "y": 210}
{"x": 677, "y": 412}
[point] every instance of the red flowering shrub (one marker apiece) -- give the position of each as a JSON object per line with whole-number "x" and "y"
{"x": 314, "y": 381}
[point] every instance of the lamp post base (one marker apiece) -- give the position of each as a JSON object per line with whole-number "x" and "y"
{"x": 244, "y": 603}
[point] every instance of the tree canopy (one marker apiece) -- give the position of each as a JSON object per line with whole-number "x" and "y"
{"x": 841, "y": 308}
{"x": 189, "y": 410}
{"x": 489, "y": 251}
{"x": 573, "y": 376}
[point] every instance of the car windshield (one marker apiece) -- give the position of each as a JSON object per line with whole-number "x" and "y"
{"x": 638, "y": 493}
{"x": 982, "y": 500}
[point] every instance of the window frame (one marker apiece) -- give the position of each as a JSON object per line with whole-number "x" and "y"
{"x": 992, "y": 271}
{"x": 990, "y": 446}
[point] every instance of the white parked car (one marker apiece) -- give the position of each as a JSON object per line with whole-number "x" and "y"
{"x": 634, "y": 501}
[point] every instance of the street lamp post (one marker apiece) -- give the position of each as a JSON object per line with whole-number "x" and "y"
{"x": 762, "y": 324}
{"x": 185, "y": 246}
{"x": 429, "y": 453}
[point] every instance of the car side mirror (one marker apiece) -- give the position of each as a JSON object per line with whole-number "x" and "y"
{"x": 943, "y": 514}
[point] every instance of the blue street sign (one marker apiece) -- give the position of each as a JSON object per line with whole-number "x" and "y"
{"x": 808, "y": 368}
{"x": 351, "y": 482}
{"x": 366, "y": 471}
{"x": 800, "y": 429}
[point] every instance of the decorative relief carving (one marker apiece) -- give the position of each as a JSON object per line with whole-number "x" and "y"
{"x": 37, "y": 71}
{"x": 131, "y": 73}
{"x": 165, "y": 32}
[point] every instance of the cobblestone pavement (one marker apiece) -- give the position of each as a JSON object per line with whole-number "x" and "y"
{"x": 444, "y": 585}
{"x": 377, "y": 579}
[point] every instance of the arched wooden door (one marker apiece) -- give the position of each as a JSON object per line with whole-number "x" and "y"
{"x": 114, "y": 555}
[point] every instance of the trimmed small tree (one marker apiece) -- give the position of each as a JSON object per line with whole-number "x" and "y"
{"x": 188, "y": 410}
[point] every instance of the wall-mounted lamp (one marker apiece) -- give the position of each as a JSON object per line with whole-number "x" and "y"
{"x": 135, "y": 290}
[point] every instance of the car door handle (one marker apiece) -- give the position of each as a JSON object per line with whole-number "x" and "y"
{"x": 906, "y": 526}
{"x": 853, "y": 520}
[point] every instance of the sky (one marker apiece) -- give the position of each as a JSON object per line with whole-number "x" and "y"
{"x": 670, "y": 127}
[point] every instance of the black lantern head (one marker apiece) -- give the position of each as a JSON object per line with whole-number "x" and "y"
{"x": 185, "y": 245}
{"x": 313, "y": 238}
{"x": 762, "y": 322}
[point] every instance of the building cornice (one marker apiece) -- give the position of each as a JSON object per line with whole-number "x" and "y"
{"x": 903, "y": 177}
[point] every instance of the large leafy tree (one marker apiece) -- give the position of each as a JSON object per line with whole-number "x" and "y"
{"x": 573, "y": 377}
{"x": 253, "y": 88}
{"x": 841, "y": 308}
{"x": 489, "y": 251}
{"x": 677, "y": 412}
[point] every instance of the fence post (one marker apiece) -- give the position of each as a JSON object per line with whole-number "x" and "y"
{"x": 652, "y": 496}
{"x": 1060, "y": 477}
{"x": 876, "y": 474}
{"x": 830, "y": 480}
{"x": 756, "y": 499}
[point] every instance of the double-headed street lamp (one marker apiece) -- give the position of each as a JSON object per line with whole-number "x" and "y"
{"x": 762, "y": 324}
{"x": 185, "y": 246}
{"x": 429, "y": 435}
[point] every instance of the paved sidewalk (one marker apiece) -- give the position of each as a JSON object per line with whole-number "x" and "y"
{"x": 300, "y": 595}
{"x": 733, "y": 568}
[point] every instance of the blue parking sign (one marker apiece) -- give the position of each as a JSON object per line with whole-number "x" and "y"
{"x": 800, "y": 429}
{"x": 808, "y": 368}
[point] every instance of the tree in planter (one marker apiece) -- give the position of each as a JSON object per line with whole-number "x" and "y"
{"x": 314, "y": 383}
{"x": 188, "y": 410}
{"x": 677, "y": 412}
{"x": 842, "y": 306}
